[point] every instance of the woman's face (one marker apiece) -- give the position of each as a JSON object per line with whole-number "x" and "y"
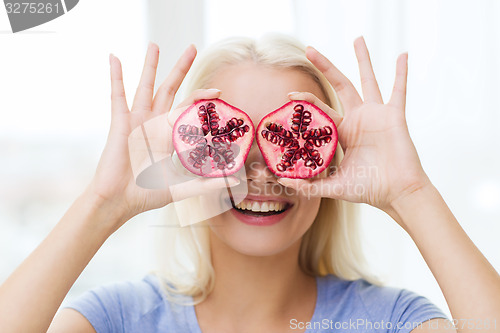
{"x": 258, "y": 90}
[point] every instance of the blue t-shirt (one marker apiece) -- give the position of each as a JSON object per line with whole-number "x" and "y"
{"x": 341, "y": 306}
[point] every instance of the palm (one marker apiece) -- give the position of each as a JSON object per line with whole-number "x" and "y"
{"x": 114, "y": 174}
{"x": 114, "y": 180}
{"x": 373, "y": 164}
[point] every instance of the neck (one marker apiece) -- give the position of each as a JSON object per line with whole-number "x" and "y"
{"x": 262, "y": 288}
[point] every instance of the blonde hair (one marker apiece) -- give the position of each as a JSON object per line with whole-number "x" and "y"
{"x": 331, "y": 245}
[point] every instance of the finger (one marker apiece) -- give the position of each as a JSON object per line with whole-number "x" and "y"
{"x": 344, "y": 88}
{"x": 144, "y": 94}
{"x": 308, "y": 97}
{"x": 371, "y": 91}
{"x": 329, "y": 187}
{"x": 118, "y": 99}
{"x": 165, "y": 95}
{"x": 200, "y": 186}
{"x": 200, "y": 94}
{"x": 195, "y": 96}
{"x": 398, "y": 97}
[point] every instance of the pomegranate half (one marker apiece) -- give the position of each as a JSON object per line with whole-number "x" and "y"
{"x": 297, "y": 140}
{"x": 213, "y": 138}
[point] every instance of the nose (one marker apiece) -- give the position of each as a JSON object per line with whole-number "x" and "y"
{"x": 256, "y": 168}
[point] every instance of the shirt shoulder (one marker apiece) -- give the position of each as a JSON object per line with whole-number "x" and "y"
{"x": 129, "y": 306}
{"x": 394, "y": 309}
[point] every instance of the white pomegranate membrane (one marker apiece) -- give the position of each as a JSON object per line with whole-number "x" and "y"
{"x": 213, "y": 138}
{"x": 297, "y": 140}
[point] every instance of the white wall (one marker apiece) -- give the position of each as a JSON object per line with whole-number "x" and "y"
{"x": 55, "y": 115}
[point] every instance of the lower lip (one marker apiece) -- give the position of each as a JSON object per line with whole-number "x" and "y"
{"x": 259, "y": 220}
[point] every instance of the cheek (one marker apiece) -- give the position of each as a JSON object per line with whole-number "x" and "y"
{"x": 307, "y": 211}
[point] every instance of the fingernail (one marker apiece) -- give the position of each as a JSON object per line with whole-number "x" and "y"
{"x": 170, "y": 118}
{"x": 293, "y": 93}
{"x": 213, "y": 90}
{"x": 190, "y": 48}
{"x": 282, "y": 181}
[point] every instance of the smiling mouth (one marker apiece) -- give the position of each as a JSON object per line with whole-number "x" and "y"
{"x": 261, "y": 208}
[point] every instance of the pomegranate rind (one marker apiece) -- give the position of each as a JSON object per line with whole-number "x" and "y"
{"x": 273, "y": 153}
{"x": 239, "y": 148}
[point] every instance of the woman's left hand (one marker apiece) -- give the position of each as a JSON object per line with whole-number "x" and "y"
{"x": 380, "y": 163}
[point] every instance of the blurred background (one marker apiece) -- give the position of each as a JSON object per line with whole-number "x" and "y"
{"x": 54, "y": 104}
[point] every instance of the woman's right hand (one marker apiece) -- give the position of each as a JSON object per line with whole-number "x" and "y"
{"x": 114, "y": 184}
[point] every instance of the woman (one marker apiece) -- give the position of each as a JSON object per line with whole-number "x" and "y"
{"x": 300, "y": 274}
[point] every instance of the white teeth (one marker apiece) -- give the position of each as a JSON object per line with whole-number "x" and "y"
{"x": 261, "y": 206}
